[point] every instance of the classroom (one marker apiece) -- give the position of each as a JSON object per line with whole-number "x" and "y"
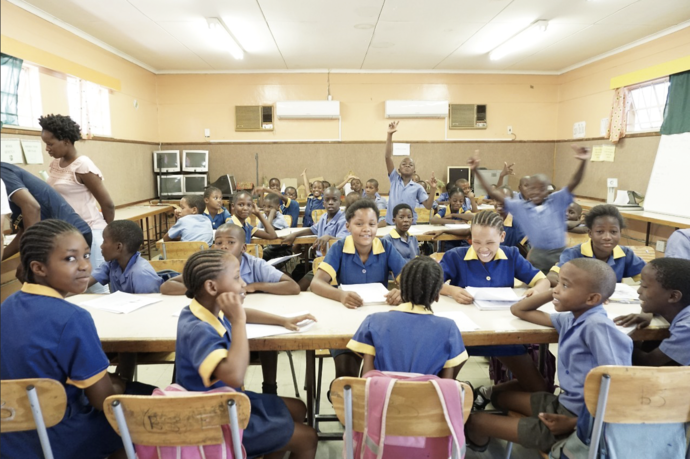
{"x": 453, "y": 161}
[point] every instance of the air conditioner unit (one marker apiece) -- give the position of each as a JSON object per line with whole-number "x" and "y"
{"x": 253, "y": 118}
{"x": 416, "y": 108}
{"x": 467, "y": 116}
{"x": 308, "y": 110}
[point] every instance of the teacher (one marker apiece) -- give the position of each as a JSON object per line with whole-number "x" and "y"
{"x": 78, "y": 180}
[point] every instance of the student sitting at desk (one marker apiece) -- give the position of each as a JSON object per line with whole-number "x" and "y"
{"x": 314, "y": 201}
{"x": 244, "y": 207}
{"x": 454, "y": 212}
{"x": 470, "y": 202}
{"x": 371, "y": 191}
{"x": 679, "y": 244}
{"x": 124, "y": 268}
{"x": 192, "y": 224}
{"x": 574, "y": 220}
{"x": 665, "y": 291}
{"x": 604, "y": 223}
{"x": 399, "y": 237}
{"x": 291, "y": 192}
{"x": 271, "y": 208}
{"x": 215, "y": 211}
{"x": 515, "y": 237}
{"x": 587, "y": 338}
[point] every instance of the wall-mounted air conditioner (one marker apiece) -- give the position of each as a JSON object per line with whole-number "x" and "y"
{"x": 416, "y": 108}
{"x": 467, "y": 116}
{"x": 308, "y": 109}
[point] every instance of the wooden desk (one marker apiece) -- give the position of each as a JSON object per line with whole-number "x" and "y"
{"x": 141, "y": 214}
{"x": 643, "y": 216}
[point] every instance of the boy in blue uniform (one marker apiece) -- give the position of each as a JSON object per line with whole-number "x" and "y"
{"x": 665, "y": 291}
{"x": 244, "y": 207}
{"x": 124, "y": 268}
{"x": 290, "y": 207}
{"x": 403, "y": 188}
{"x": 272, "y": 212}
{"x": 542, "y": 216}
{"x": 371, "y": 191}
{"x": 587, "y": 338}
{"x": 574, "y": 220}
{"x": 406, "y": 244}
{"x": 515, "y": 237}
{"x": 215, "y": 211}
{"x": 410, "y": 338}
{"x": 679, "y": 244}
{"x": 192, "y": 224}
{"x": 314, "y": 201}
{"x": 604, "y": 223}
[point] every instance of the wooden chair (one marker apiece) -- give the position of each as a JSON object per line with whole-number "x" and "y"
{"x": 573, "y": 239}
{"x": 316, "y": 214}
{"x": 646, "y": 253}
{"x": 636, "y": 395}
{"x": 180, "y": 250}
{"x": 188, "y": 420}
{"x": 171, "y": 264}
{"x": 29, "y": 404}
{"x": 255, "y": 250}
{"x": 414, "y": 409}
{"x": 423, "y": 214}
{"x": 288, "y": 220}
{"x": 383, "y": 212}
{"x": 438, "y": 256}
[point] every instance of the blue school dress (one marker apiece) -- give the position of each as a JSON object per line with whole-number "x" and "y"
{"x": 514, "y": 234}
{"x": 445, "y": 212}
{"x": 312, "y": 204}
{"x": 623, "y": 261}
{"x": 249, "y": 230}
{"x": 291, "y": 209}
{"x": 203, "y": 341}
{"x": 223, "y": 216}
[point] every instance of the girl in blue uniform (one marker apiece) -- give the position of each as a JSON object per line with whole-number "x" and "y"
{"x": 455, "y": 212}
{"x": 212, "y": 351}
{"x": 44, "y": 336}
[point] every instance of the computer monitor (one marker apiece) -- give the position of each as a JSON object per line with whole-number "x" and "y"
{"x": 195, "y": 160}
{"x": 226, "y": 184}
{"x": 166, "y": 161}
{"x": 170, "y": 186}
{"x": 195, "y": 183}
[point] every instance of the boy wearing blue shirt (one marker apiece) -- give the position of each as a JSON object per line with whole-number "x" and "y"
{"x": 371, "y": 191}
{"x": 406, "y": 244}
{"x": 124, "y": 268}
{"x": 403, "y": 188}
{"x": 215, "y": 211}
{"x": 272, "y": 211}
{"x": 192, "y": 224}
{"x": 679, "y": 244}
{"x": 587, "y": 338}
{"x": 314, "y": 201}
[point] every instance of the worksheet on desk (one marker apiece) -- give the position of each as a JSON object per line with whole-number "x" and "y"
{"x": 370, "y": 293}
{"x": 120, "y": 302}
{"x": 493, "y": 298}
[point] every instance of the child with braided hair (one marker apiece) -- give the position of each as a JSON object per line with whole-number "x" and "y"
{"x": 410, "y": 338}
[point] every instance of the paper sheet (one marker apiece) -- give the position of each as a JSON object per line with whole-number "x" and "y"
{"x": 493, "y": 298}
{"x": 276, "y": 261}
{"x": 32, "y": 151}
{"x": 485, "y": 207}
{"x": 608, "y": 153}
{"x": 262, "y": 331}
{"x": 370, "y": 293}
{"x": 120, "y": 302}
{"x": 401, "y": 149}
{"x": 625, "y": 293}
{"x": 11, "y": 151}
{"x": 463, "y": 322}
{"x": 626, "y": 330}
{"x": 458, "y": 225}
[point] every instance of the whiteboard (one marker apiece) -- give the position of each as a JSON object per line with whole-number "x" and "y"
{"x": 666, "y": 193}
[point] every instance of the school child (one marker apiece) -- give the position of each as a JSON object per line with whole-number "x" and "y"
{"x": 541, "y": 217}
{"x": 124, "y": 268}
{"x": 215, "y": 211}
{"x": 574, "y": 219}
{"x": 212, "y": 351}
{"x": 44, "y": 336}
{"x": 470, "y": 202}
{"x": 587, "y": 339}
{"x": 664, "y": 290}
{"x": 604, "y": 223}
{"x": 271, "y": 207}
{"x": 454, "y": 212}
{"x": 679, "y": 244}
{"x": 291, "y": 192}
{"x": 410, "y": 338}
{"x": 406, "y": 244}
{"x": 350, "y": 199}
{"x": 288, "y": 205}
{"x": 314, "y": 201}
{"x": 192, "y": 224}
{"x": 515, "y": 237}
{"x": 274, "y": 185}
{"x": 244, "y": 207}
{"x": 360, "y": 258}
{"x": 403, "y": 189}
{"x": 371, "y": 191}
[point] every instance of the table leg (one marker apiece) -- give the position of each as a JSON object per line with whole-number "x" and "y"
{"x": 148, "y": 237}
{"x": 649, "y": 227}
{"x": 543, "y": 352}
{"x": 311, "y": 386}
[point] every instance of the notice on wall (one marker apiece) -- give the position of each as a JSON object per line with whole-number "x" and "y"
{"x": 12, "y": 151}
{"x": 579, "y": 130}
{"x": 401, "y": 149}
{"x": 32, "y": 151}
{"x": 604, "y": 153}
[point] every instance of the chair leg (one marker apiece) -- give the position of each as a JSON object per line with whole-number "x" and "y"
{"x": 317, "y": 407}
{"x": 349, "y": 447}
{"x": 40, "y": 423}
{"x": 599, "y": 416}
{"x": 234, "y": 429}
{"x": 124, "y": 431}
{"x": 509, "y": 449}
{"x": 292, "y": 369}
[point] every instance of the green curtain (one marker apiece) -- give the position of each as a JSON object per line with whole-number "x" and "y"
{"x": 677, "y": 110}
{"x": 11, "y": 69}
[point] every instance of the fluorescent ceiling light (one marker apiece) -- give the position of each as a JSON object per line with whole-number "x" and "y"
{"x": 222, "y": 38}
{"x": 521, "y": 41}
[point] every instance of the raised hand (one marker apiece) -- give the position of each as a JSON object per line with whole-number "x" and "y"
{"x": 581, "y": 153}
{"x": 393, "y": 127}
{"x": 433, "y": 182}
{"x": 304, "y": 173}
{"x": 255, "y": 209}
{"x": 508, "y": 169}
{"x": 473, "y": 162}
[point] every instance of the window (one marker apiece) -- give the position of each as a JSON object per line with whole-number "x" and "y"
{"x": 29, "y": 97}
{"x": 89, "y": 105}
{"x": 646, "y": 105}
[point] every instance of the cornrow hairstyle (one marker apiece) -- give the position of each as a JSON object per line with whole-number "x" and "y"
{"x": 451, "y": 189}
{"x": 602, "y": 279}
{"x": 361, "y": 204}
{"x": 456, "y": 191}
{"x": 202, "y": 266}
{"x": 62, "y": 127}
{"x": 38, "y": 242}
{"x": 196, "y": 201}
{"x": 488, "y": 218}
{"x": 127, "y": 232}
{"x": 209, "y": 190}
{"x": 604, "y": 210}
{"x": 673, "y": 274}
{"x": 420, "y": 281}
{"x": 400, "y": 207}
{"x": 374, "y": 182}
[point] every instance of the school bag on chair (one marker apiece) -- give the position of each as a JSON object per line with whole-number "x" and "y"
{"x": 220, "y": 451}
{"x": 373, "y": 442}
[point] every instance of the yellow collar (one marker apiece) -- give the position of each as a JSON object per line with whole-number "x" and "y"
{"x": 508, "y": 221}
{"x": 205, "y": 315}
{"x": 413, "y": 308}
{"x": 394, "y": 234}
{"x": 236, "y": 221}
{"x": 288, "y": 202}
{"x": 448, "y": 211}
{"x": 472, "y": 255}
{"x": 587, "y": 251}
{"x": 376, "y": 246}
{"x": 35, "y": 289}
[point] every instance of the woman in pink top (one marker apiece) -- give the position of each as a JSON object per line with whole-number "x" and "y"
{"x": 78, "y": 180}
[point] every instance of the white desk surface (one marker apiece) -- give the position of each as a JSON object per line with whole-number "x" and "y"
{"x": 153, "y": 328}
{"x": 139, "y": 212}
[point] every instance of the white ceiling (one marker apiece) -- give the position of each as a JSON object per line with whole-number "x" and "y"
{"x": 169, "y": 36}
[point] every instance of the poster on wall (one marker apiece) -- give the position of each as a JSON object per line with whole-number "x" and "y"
{"x": 11, "y": 151}
{"x": 32, "y": 151}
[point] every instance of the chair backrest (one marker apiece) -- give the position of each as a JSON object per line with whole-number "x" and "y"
{"x": 171, "y": 264}
{"x": 641, "y": 394}
{"x": 315, "y": 264}
{"x": 288, "y": 220}
{"x": 438, "y": 256}
{"x": 15, "y": 412}
{"x": 423, "y": 214}
{"x": 177, "y": 421}
{"x": 383, "y": 212}
{"x": 573, "y": 239}
{"x": 316, "y": 214}
{"x": 646, "y": 253}
{"x": 181, "y": 250}
{"x": 414, "y": 409}
{"x": 255, "y": 250}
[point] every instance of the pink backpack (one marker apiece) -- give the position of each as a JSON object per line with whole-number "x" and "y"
{"x": 221, "y": 451}
{"x": 370, "y": 444}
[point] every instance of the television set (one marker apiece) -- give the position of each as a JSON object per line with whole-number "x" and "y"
{"x": 166, "y": 161}
{"x": 195, "y": 161}
{"x": 459, "y": 172}
{"x": 226, "y": 184}
{"x": 195, "y": 183}
{"x": 170, "y": 186}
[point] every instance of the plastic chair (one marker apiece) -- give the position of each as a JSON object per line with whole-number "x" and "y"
{"x": 288, "y": 220}
{"x": 256, "y": 250}
{"x": 438, "y": 256}
{"x": 646, "y": 253}
{"x": 573, "y": 239}
{"x": 383, "y": 212}
{"x": 29, "y": 404}
{"x": 423, "y": 214}
{"x": 180, "y": 250}
{"x": 179, "y": 421}
{"x": 316, "y": 214}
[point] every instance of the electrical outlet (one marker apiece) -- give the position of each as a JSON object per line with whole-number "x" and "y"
{"x": 612, "y": 183}
{"x": 510, "y": 129}
{"x": 207, "y": 132}
{"x": 660, "y": 246}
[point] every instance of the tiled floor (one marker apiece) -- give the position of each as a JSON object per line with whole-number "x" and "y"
{"x": 475, "y": 371}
